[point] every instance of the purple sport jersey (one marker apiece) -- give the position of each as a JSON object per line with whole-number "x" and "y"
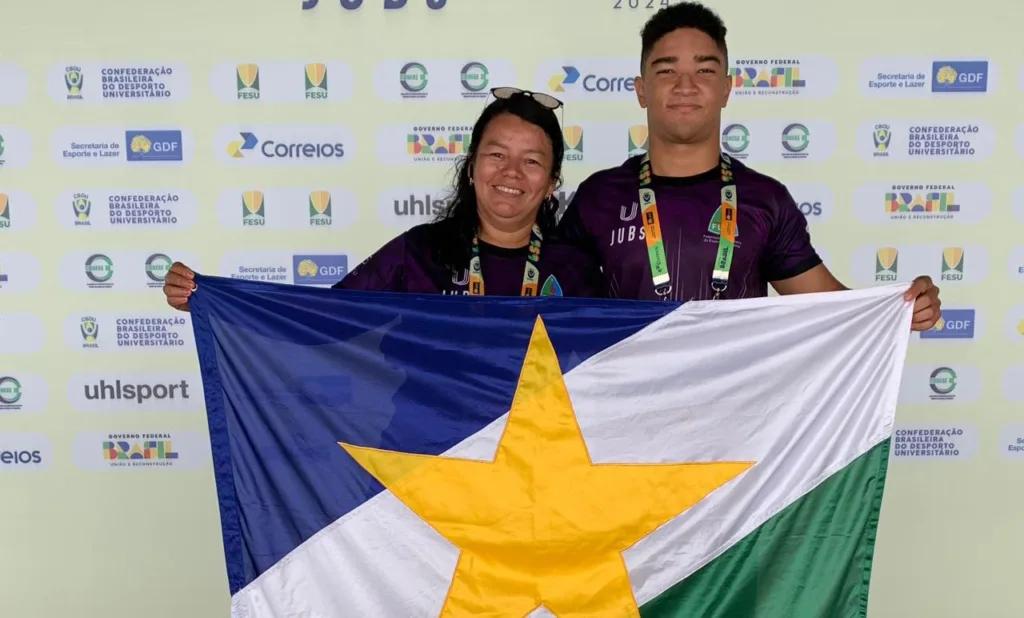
{"x": 772, "y": 242}
{"x": 407, "y": 264}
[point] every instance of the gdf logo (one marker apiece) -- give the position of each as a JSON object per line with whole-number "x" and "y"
{"x": 389, "y": 5}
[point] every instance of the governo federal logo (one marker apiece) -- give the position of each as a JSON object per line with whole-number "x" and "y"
{"x": 273, "y": 145}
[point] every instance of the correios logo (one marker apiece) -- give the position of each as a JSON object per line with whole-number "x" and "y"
{"x": 250, "y": 145}
{"x": 570, "y": 76}
{"x": 388, "y": 5}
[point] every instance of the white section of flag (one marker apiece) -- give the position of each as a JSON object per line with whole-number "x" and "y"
{"x": 802, "y": 385}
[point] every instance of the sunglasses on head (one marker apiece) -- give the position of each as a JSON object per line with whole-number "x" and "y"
{"x": 546, "y": 100}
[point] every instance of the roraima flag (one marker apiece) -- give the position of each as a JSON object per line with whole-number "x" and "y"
{"x": 395, "y": 456}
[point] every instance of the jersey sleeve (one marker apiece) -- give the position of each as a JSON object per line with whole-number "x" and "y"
{"x": 789, "y": 251}
{"x": 384, "y": 271}
{"x": 572, "y": 228}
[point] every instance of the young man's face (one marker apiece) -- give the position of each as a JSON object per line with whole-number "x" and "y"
{"x": 684, "y": 87}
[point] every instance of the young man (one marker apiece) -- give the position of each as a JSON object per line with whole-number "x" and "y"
{"x": 687, "y": 222}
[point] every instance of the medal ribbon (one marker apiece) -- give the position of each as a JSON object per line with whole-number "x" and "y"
{"x": 656, "y": 243}
{"x": 531, "y": 274}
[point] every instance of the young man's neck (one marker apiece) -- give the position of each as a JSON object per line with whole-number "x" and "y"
{"x": 681, "y": 160}
{"x": 512, "y": 237}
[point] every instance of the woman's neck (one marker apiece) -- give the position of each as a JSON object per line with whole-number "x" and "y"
{"x": 507, "y": 237}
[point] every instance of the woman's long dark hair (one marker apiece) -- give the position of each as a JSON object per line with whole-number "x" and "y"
{"x": 459, "y": 221}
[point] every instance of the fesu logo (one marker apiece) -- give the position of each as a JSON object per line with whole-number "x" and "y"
{"x": 389, "y": 5}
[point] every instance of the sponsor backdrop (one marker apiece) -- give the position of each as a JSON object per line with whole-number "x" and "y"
{"x": 277, "y": 142}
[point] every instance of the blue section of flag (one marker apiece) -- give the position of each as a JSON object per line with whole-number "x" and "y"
{"x": 290, "y": 371}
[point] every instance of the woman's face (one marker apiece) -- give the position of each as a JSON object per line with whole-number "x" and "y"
{"x": 512, "y": 172}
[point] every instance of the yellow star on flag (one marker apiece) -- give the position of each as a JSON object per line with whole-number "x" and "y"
{"x": 542, "y": 525}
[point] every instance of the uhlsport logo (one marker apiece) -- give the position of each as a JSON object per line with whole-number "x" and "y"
{"x": 135, "y": 392}
{"x": 960, "y": 76}
{"x": 389, "y": 5}
{"x": 406, "y": 206}
{"x": 247, "y": 81}
{"x": 160, "y": 145}
{"x": 736, "y": 141}
{"x": 316, "y": 81}
{"x": 952, "y": 264}
{"x": 637, "y": 140}
{"x": 301, "y": 145}
{"x": 319, "y": 269}
{"x": 414, "y": 78}
{"x": 475, "y": 78}
{"x": 887, "y": 264}
{"x": 952, "y": 324}
{"x": 573, "y": 137}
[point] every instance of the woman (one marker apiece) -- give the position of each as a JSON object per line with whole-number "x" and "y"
{"x": 497, "y": 234}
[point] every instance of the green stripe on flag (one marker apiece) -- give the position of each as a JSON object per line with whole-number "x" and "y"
{"x": 812, "y": 560}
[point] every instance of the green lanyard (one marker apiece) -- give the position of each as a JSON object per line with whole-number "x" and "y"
{"x": 531, "y": 274}
{"x": 656, "y": 243}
